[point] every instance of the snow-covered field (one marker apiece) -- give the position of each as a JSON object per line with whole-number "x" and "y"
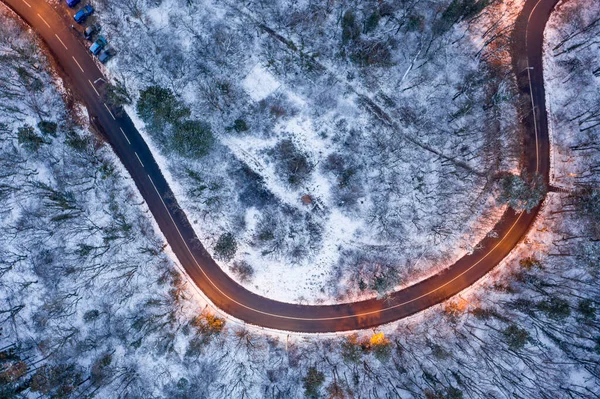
{"x": 324, "y": 196}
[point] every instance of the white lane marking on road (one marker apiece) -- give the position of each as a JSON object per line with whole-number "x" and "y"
{"x": 42, "y": 18}
{"x": 537, "y": 156}
{"x": 82, "y": 71}
{"x": 126, "y": 138}
{"x": 138, "y": 157}
{"x": 93, "y": 87}
{"x": 28, "y": 5}
{"x": 61, "y": 42}
{"x": 111, "y": 114}
{"x": 535, "y": 128}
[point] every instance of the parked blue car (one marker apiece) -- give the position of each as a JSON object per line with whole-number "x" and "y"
{"x": 106, "y": 55}
{"x": 90, "y": 30}
{"x": 72, "y": 3}
{"x": 98, "y": 45}
{"x": 83, "y": 14}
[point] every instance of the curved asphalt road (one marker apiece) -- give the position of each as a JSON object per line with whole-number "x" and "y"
{"x": 80, "y": 71}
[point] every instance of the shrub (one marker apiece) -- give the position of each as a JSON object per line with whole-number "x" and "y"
{"x": 251, "y": 188}
{"x": 439, "y": 352}
{"x": 239, "y": 125}
{"x": 384, "y": 280}
{"x": 291, "y": 162}
{"x": 529, "y": 263}
{"x": 351, "y": 349}
{"x": 484, "y": 314}
{"x": 158, "y": 107}
{"x": 183, "y": 384}
{"x": 381, "y": 347}
{"x": 208, "y": 324}
{"x": 350, "y": 29}
{"x": 192, "y": 138}
{"x": 277, "y": 110}
{"x": 12, "y": 371}
{"x": 522, "y": 192}
{"x": 31, "y": 82}
{"x": 555, "y": 308}
{"x": 47, "y": 127}
{"x": 515, "y": 337}
{"x": 312, "y": 382}
{"x": 588, "y": 207}
{"x": 588, "y": 202}
{"x": 78, "y": 143}
{"x": 28, "y": 138}
{"x": 457, "y": 11}
{"x": 266, "y": 233}
{"x": 226, "y": 247}
{"x": 453, "y": 393}
{"x": 337, "y": 164}
{"x": 117, "y": 95}
{"x": 587, "y": 309}
{"x": 243, "y": 270}
{"x": 91, "y": 315}
{"x": 372, "y": 21}
{"x": 371, "y": 53}
{"x": 100, "y": 370}
{"x": 415, "y": 23}
{"x": 55, "y": 381}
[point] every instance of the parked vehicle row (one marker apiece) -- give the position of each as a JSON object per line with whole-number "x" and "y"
{"x": 99, "y": 47}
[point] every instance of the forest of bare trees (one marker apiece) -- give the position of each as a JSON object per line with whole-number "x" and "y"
{"x": 92, "y": 304}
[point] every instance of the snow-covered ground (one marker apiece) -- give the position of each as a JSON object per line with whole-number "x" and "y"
{"x": 376, "y": 200}
{"x": 573, "y": 62}
{"x": 90, "y": 306}
{"x": 259, "y": 83}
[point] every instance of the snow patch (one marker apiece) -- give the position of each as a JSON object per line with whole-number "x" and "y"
{"x": 259, "y": 83}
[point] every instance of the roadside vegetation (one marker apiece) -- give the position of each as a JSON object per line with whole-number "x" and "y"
{"x": 168, "y": 119}
{"x": 521, "y": 192}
